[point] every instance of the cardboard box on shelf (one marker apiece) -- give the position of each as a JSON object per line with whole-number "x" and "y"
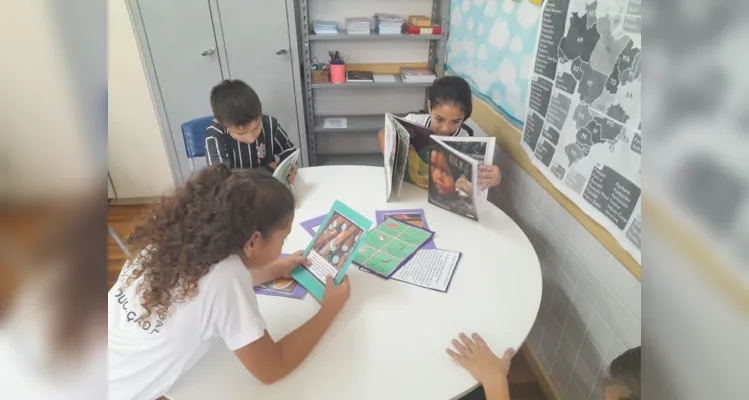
{"x": 320, "y": 76}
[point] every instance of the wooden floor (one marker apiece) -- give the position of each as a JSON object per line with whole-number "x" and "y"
{"x": 122, "y": 219}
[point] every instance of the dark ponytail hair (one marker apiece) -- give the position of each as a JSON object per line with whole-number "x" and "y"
{"x": 204, "y": 222}
{"x": 452, "y": 90}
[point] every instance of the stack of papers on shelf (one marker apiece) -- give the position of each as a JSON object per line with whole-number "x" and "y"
{"x": 357, "y": 26}
{"x": 417, "y": 75}
{"x": 335, "y": 123}
{"x": 359, "y": 76}
{"x": 324, "y": 27}
{"x": 388, "y": 24}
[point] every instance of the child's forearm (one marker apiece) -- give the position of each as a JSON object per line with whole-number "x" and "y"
{"x": 263, "y": 275}
{"x": 497, "y": 389}
{"x": 297, "y": 345}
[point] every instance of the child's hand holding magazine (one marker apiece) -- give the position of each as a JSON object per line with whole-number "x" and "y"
{"x": 335, "y": 296}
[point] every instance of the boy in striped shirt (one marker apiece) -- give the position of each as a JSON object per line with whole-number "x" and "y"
{"x": 241, "y": 136}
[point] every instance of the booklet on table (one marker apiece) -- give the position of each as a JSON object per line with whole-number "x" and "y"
{"x": 390, "y": 245}
{"x": 429, "y": 268}
{"x": 413, "y": 216}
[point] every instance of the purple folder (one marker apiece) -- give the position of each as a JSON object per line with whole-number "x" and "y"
{"x": 309, "y": 224}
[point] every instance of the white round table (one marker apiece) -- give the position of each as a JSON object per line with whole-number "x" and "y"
{"x": 389, "y": 340}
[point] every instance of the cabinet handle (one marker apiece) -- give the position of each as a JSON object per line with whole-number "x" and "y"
{"x": 282, "y": 50}
{"x": 209, "y": 52}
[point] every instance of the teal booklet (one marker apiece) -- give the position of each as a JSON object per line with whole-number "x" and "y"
{"x": 331, "y": 249}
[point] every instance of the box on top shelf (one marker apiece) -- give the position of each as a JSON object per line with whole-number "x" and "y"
{"x": 415, "y": 30}
{"x": 420, "y": 21}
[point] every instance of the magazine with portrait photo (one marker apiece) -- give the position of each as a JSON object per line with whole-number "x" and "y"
{"x": 480, "y": 149}
{"x": 452, "y": 180}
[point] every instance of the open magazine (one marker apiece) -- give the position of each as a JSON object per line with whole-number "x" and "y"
{"x": 399, "y": 136}
{"x": 480, "y": 149}
{"x": 284, "y": 169}
{"x": 453, "y": 172}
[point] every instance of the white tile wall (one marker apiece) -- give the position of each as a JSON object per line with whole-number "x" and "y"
{"x": 590, "y": 309}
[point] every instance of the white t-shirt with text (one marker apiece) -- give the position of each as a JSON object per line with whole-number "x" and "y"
{"x": 145, "y": 359}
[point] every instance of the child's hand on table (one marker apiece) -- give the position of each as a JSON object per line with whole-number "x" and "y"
{"x": 335, "y": 295}
{"x": 489, "y": 175}
{"x": 292, "y": 175}
{"x": 477, "y": 358}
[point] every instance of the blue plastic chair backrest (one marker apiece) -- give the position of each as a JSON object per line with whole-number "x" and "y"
{"x": 193, "y": 132}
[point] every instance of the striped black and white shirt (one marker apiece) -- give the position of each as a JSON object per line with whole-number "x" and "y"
{"x": 273, "y": 145}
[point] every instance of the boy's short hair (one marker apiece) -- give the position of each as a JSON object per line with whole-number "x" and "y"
{"x": 624, "y": 372}
{"x": 235, "y": 103}
{"x": 452, "y": 90}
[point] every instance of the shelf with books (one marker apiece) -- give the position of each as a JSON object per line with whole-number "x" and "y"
{"x": 354, "y": 123}
{"x": 370, "y": 37}
{"x": 349, "y": 37}
{"x": 353, "y": 85}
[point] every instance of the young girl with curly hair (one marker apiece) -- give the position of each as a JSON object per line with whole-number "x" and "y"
{"x": 201, "y": 252}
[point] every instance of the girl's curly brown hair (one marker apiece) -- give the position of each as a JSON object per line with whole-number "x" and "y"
{"x": 202, "y": 223}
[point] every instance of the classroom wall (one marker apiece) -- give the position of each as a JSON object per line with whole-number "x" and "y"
{"x": 590, "y": 310}
{"x": 138, "y": 162}
{"x": 590, "y": 307}
{"x": 49, "y": 140}
{"x": 492, "y": 45}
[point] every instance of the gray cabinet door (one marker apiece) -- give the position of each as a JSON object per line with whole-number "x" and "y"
{"x": 185, "y": 55}
{"x": 258, "y": 48}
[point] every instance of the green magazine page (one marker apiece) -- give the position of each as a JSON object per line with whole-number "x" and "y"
{"x": 390, "y": 245}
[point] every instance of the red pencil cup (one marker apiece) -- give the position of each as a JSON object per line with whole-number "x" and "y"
{"x": 337, "y": 73}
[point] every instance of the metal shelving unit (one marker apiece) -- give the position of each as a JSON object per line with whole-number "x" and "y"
{"x": 356, "y": 123}
{"x": 371, "y": 36}
{"x": 369, "y": 85}
{"x": 362, "y": 123}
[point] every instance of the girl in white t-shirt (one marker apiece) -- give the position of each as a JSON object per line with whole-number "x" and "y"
{"x": 449, "y": 105}
{"x": 206, "y": 247}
